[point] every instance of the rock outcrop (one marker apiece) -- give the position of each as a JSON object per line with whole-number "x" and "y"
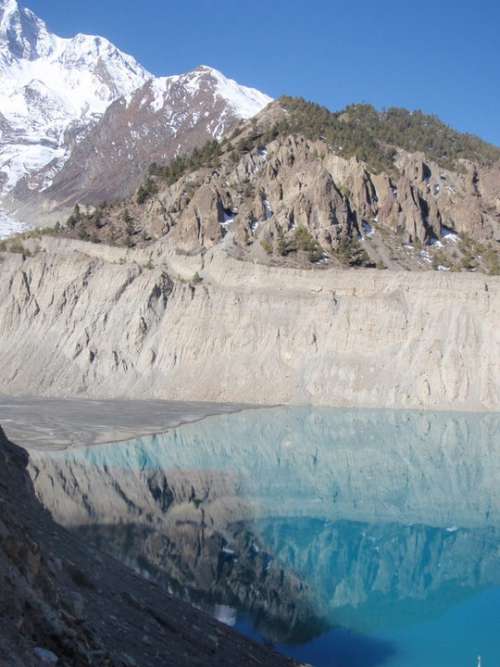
{"x": 79, "y": 319}
{"x": 289, "y": 200}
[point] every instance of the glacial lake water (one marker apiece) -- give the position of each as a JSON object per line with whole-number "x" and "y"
{"x": 345, "y": 538}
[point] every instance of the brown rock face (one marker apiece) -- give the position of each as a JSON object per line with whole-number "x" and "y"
{"x": 164, "y": 118}
{"x": 286, "y": 199}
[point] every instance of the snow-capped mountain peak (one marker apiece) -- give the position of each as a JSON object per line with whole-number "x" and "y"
{"x": 244, "y": 101}
{"x": 197, "y": 93}
{"x": 73, "y": 104}
{"x": 22, "y": 34}
{"x": 52, "y": 86}
{"x": 163, "y": 118}
{"x": 8, "y": 10}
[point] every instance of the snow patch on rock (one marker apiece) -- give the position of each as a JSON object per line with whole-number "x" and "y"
{"x": 225, "y": 614}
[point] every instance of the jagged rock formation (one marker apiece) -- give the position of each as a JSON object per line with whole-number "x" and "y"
{"x": 84, "y": 319}
{"x": 278, "y": 197}
{"x": 62, "y": 603}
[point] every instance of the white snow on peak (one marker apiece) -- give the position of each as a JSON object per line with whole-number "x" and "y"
{"x": 160, "y": 88}
{"x": 49, "y": 85}
{"x": 87, "y": 73}
{"x": 245, "y": 102}
{"x": 54, "y": 89}
{"x": 7, "y": 9}
{"x": 22, "y": 34}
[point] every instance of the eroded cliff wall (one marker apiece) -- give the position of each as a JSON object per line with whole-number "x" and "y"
{"x": 89, "y": 320}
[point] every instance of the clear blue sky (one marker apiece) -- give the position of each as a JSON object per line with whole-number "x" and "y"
{"x": 442, "y": 57}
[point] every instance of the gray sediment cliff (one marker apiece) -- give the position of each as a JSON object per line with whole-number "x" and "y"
{"x": 80, "y": 319}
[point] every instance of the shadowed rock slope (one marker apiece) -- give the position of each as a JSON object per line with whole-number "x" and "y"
{"x": 59, "y": 598}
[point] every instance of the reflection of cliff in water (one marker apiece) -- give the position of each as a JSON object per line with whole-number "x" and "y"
{"x": 296, "y": 515}
{"x": 183, "y": 531}
{"x": 364, "y": 574}
{"x": 197, "y": 564}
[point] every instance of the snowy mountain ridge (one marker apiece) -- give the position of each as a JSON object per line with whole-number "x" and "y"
{"x": 243, "y": 101}
{"x": 52, "y": 88}
{"x": 165, "y": 117}
{"x": 55, "y": 90}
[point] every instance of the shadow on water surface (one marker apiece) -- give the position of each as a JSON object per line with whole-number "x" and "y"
{"x": 195, "y": 563}
{"x": 338, "y": 647}
{"x": 271, "y": 605}
{"x": 342, "y": 648}
{"x": 330, "y": 533}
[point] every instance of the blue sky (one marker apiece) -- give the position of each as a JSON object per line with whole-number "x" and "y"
{"x": 442, "y": 57}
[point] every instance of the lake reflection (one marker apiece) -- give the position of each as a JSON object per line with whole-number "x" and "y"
{"x": 343, "y": 537}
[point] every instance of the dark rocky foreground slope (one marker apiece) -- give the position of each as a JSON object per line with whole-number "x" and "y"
{"x": 60, "y": 598}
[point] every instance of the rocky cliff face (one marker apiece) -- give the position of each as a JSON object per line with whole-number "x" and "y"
{"x": 83, "y": 319}
{"x": 280, "y": 198}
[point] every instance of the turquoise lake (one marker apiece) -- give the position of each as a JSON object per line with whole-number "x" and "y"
{"x": 344, "y": 538}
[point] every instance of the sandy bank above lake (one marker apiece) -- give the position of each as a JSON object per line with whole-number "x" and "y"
{"x": 48, "y": 423}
